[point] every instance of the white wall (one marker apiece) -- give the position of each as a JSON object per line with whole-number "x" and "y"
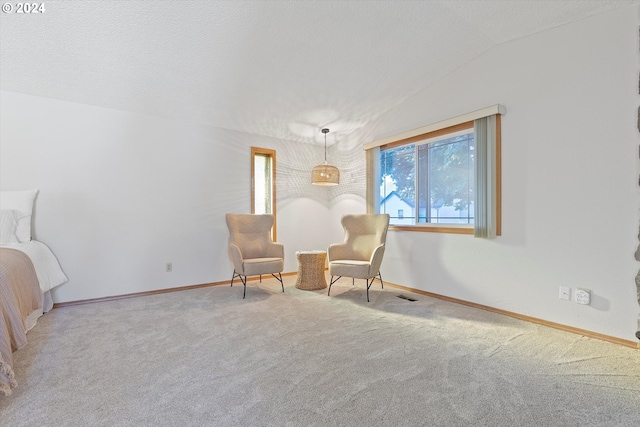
{"x": 570, "y": 153}
{"x": 121, "y": 194}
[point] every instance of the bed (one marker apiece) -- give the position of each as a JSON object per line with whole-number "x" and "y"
{"x": 28, "y": 272}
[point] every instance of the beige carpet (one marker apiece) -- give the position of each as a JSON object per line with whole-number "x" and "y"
{"x": 207, "y": 357}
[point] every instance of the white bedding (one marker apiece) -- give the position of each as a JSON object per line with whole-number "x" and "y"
{"x": 46, "y": 264}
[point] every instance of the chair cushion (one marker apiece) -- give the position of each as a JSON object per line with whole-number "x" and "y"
{"x": 255, "y": 266}
{"x": 350, "y": 268}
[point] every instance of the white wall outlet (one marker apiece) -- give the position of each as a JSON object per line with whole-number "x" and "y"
{"x": 169, "y": 267}
{"x": 565, "y": 293}
{"x": 583, "y": 296}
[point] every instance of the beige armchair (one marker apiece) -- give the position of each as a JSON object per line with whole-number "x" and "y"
{"x": 251, "y": 249}
{"x": 360, "y": 255}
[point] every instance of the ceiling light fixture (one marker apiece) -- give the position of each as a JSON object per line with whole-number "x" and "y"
{"x": 325, "y": 174}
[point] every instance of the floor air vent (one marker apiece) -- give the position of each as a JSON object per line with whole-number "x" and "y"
{"x": 407, "y": 298}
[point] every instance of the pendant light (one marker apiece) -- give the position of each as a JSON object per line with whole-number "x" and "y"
{"x": 325, "y": 174}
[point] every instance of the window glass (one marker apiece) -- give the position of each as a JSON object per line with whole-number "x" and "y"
{"x": 450, "y": 183}
{"x": 397, "y": 189}
{"x": 263, "y": 183}
{"x": 430, "y": 181}
{"x": 262, "y": 176}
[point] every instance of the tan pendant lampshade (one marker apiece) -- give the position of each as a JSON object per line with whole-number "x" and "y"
{"x": 325, "y": 174}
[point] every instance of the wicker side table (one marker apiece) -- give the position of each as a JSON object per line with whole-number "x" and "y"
{"x": 311, "y": 270}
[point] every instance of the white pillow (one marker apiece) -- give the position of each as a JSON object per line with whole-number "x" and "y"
{"x": 8, "y": 226}
{"x": 22, "y": 202}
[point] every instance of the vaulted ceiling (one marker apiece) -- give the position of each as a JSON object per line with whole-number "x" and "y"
{"x": 283, "y": 69}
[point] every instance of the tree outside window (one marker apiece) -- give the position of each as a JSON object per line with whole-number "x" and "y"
{"x": 440, "y": 171}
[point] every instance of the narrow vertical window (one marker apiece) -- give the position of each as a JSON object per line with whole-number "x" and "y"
{"x": 263, "y": 182}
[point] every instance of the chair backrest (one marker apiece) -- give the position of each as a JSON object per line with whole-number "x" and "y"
{"x": 364, "y": 233}
{"x": 251, "y": 233}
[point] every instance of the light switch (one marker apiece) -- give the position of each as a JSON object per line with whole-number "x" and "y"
{"x": 565, "y": 293}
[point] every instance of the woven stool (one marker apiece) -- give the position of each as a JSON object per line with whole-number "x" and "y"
{"x": 311, "y": 270}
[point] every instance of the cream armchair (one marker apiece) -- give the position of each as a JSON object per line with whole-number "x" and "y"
{"x": 251, "y": 249}
{"x": 360, "y": 255}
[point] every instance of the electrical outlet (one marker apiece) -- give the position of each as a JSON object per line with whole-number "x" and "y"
{"x": 565, "y": 293}
{"x": 583, "y": 296}
{"x": 169, "y": 267}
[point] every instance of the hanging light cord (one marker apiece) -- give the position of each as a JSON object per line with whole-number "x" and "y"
{"x": 325, "y": 131}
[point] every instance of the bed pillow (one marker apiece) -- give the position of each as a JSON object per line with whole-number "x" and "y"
{"x": 8, "y": 226}
{"x": 22, "y": 202}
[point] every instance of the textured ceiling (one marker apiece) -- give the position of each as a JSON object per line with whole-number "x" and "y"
{"x": 275, "y": 68}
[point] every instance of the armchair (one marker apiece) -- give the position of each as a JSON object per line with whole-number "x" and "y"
{"x": 251, "y": 249}
{"x": 360, "y": 255}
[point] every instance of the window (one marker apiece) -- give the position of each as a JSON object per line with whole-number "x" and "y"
{"x": 433, "y": 178}
{"x": 443, "y": 177}
{"x": 263, "y": 182}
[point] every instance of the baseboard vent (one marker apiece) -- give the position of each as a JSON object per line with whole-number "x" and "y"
{"x": 406, "y": 297}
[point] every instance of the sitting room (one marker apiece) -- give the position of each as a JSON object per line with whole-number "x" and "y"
{"x": 495, "y": 143}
